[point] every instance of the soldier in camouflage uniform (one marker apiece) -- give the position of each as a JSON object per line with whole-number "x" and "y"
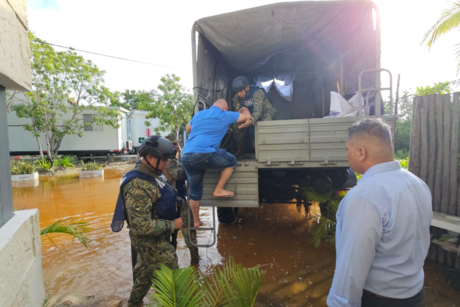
{"x": 175, "y": 173}
{"x": 255, "y": 99}
{"x": 150, "y": 234}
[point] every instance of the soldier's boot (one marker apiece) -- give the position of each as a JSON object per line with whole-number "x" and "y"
{"x": 194, "y": 255}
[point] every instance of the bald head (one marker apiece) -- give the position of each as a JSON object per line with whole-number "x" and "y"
{"x": 221, "y": 104}
{"x": 369, "y": 143}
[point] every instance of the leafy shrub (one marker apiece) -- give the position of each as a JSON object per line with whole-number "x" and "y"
{"x": 229, "y": 285}
{"x": 402, "y": 154}
{"x": 44, "y": 166}
{"x": 65, "y": 161}
{"x": 90, "y": 166}
{"x": 22, "y": 168}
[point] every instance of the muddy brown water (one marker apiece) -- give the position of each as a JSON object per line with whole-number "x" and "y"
{"x": 274, "y": 236}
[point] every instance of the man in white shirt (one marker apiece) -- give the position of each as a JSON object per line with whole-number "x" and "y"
{"x": 382, "y": 235}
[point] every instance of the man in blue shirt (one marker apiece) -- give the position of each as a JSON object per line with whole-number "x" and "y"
{"x": 201, "y": 152}
{"x": 383, "y": 234}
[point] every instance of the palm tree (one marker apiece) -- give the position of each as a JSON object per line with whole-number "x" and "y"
{"x": 229, "y": 285}
{"x": 68, "y": 226}
{"x": 449, "y": 20}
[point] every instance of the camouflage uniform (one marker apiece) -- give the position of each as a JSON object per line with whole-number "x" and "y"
{"x": 177, "y": 172}
{"x": 263, "y": 111}
{"x": 149, "y": 235}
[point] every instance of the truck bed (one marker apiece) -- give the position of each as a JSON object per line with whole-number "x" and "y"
{"x": 286, "y": 144}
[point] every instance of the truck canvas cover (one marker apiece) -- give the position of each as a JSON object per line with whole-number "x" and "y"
{"x": 327, "y": 42}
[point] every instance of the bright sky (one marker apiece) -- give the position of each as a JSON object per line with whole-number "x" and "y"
{"x": 160, "y": 32}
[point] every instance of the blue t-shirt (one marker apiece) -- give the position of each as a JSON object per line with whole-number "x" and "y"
{"x": 208, "y": 129}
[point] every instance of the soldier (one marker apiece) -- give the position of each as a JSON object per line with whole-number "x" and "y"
{"x": 148, "y": 203}
{"x": 175, "y": 173}
{"x": 255, "y": 99}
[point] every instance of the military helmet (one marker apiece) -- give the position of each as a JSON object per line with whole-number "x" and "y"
{"x": 239, "y": 84}
{"x": 157, "y": 146}
{"x": 172, "y": 138}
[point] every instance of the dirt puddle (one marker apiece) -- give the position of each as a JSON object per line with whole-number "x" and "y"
{"x": 275, "y": 236}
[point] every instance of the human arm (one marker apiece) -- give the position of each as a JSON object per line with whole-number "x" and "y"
{"x": 258, "y": 99}
{"x": 359, "y": 230}
{"x": 245, "y": 115}
{"x": 188, "y": 128}
{"x": 138, "y": 195}
{"x": 176, "y": 170}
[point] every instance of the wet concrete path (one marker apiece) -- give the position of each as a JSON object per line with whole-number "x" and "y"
{"x": 275, "y": 236}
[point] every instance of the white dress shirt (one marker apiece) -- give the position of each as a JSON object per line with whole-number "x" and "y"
{"x": 382, "y": 236}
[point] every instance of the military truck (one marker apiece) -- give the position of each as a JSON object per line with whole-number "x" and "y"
{"x": 305, "y": 49}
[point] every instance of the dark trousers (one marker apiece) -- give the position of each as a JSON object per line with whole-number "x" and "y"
{"x": 371, "y": 300}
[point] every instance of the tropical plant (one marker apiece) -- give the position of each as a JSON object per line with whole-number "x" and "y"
{"x": 437, "y": 88}
{"x": 228, "y": 285}
{"x": 448, "y": 21}
{"x": 44, "y": 165}
{"x": 65, "y": 161}
{"x": 21, "y": 168}
{"x": 68, "y": 226}
{"x": 324, "y": 228}
{"x": 65, "y": 86}
{"x": 172, "y": 105}
{"x": 90, "y": 166}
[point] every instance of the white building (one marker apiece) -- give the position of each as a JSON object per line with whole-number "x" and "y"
{"x": 137, "y": 130}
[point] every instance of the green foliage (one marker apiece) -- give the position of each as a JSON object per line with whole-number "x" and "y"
{"x": 438, "y": 88}
{"x": 172, "y": 105}
{"x": 64, "y": 84}
{"x": 229, "y": 285}
{"x": 445, "y": 237}
{"x": 404, "y": 163}
{"x": 326, "y": 223}
{"x": 90, "y": 166}
{"x": 131, "y": 99}
{"x": 176, "y": 288}
{"x": 68, "y": 226}
{"x": 44, "y": 165}
{"x": 402, "y": 154}
{"x": 65, "y": 161}
{"x": 22, "y": 168}
{"x": 448, "y": 21}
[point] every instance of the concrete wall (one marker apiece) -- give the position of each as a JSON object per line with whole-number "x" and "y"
{"x": 14, "y": 45}
{"x": 21, "y": 278}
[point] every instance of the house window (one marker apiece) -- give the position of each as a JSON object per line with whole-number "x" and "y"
{"x": 88, "y": 118}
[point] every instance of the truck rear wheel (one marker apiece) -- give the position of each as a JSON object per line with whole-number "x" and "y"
{"x": 227, "y": 215}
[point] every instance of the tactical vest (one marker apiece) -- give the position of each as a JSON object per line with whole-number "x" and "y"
{"x": 247, "y": 100}
{"x": 166, "y": 205}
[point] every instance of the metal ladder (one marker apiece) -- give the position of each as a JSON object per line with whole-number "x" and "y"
{"x": 202, "y": 228}
{"x": 378, "y": 98}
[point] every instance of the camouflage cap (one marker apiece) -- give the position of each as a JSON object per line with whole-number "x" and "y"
{"x": 172, "y": 138}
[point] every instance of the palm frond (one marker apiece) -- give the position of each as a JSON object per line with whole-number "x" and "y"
{"x": 449, "y": 20}
{"x": 214, "y": 289}
{"x": 70, "y": 227}
{"x": 325, "y": 227}
{"x": 246, "y": 285}
{"x": 314, "y": 197}
{"x": 178, "y": 288}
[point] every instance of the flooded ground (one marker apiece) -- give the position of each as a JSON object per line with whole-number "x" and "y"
{"x": 274, "y": 236}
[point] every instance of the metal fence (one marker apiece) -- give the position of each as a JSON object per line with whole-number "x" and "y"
{"x": 434, "y": 158}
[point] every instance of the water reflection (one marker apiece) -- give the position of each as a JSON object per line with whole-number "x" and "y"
{"x": 274, "y": 237}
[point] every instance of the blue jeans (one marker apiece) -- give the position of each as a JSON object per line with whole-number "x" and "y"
{"x": 196, "y": 164}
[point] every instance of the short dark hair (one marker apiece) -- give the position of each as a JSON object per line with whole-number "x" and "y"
{"x": 373, "y": 127}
